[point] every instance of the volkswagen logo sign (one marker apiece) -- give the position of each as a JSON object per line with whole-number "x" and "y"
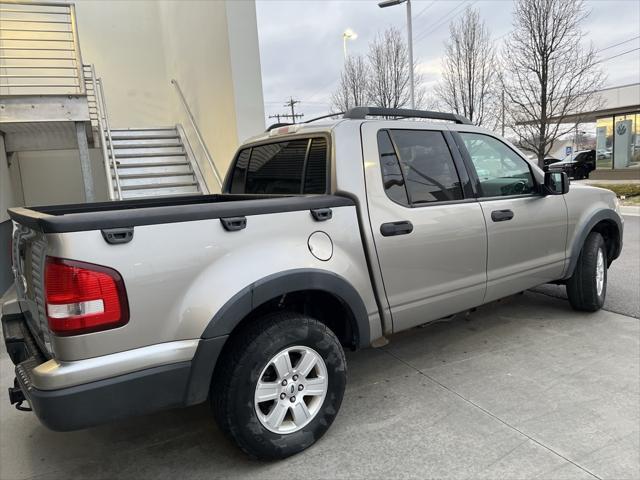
{"x": 621, "y": 128}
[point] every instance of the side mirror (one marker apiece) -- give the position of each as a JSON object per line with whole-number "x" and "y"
{"x": 555, "y": 183}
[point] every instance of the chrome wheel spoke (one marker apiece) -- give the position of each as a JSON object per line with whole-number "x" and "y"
{"x": 276, "y": 416}
{"x": 315, "y": 387}
{"x": 266, "y": 391}
{"x": 300, "y": 413}
{"x": 282, "y": 364}
{"x": 306, "y": 363}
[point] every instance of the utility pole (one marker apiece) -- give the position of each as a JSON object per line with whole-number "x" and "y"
{"x": 292, "y": 104}
{"x": 293, "y": 115}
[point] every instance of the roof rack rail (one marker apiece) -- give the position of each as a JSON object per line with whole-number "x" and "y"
{"x": 282, "y": 124}
{"x": 360, "y": 113}
{"x": 328, "y": 115}
{"x": 278, "y": 125}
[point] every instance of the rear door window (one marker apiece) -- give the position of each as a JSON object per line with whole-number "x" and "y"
{"x": 282, "y": 168}
{"x": 419, "y": 162}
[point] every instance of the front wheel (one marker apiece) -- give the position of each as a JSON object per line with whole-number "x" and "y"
{"x": 279, "y": 385}
{"x": 587, "y": 287}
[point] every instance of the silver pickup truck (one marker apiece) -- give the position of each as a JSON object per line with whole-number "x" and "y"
{"x": 328, "y": 235}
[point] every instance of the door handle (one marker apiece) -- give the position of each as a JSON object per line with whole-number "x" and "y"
{"x": 321, "y": 214}
{"x": 501, "y": 215}
{"x": 396, "y": 228}
{"x": 233, "y": 224}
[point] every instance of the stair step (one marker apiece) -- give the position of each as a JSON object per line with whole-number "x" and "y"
{"x": 149, "y": 152}
{"x": 153, "y": 171}
{"x": 143, "y": 133}
{"x": 155, "y": 182}
{"x": 133, "y": 162}
{"x": 149, "y": 142}
{"x": 160, "y": 192}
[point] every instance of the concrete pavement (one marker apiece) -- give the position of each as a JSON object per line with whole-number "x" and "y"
{"x": 523, "y": 388}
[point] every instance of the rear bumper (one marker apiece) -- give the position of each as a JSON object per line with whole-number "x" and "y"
{"x": 136, "y": 393}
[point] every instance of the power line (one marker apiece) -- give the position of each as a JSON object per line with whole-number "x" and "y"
{"x": 415, "y": 17}
{"x": 620, "y": 43}
{"x": 428, "y": 27}
{"x": 618, "y": 55}
{"x": 443, "y": 20}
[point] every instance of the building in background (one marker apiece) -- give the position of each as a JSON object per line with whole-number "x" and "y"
{"x": 616, "y": 125}
{"x": 178, "y": 76}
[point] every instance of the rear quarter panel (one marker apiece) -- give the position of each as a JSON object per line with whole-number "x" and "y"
{"x": 178, "y": 275}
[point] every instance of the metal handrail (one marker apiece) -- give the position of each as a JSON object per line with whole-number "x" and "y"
{"x": 45, "y": 31}
{"x": 105, "y": 155}
{"x": 198, "y": 134}
{"x": 109, "y": 157}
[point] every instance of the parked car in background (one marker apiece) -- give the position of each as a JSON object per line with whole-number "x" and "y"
{"x": 328, "y": 236}
{"x": 604, "y": 153}
{"x": 578, "y": 165}
{"x": 548, "y": 160}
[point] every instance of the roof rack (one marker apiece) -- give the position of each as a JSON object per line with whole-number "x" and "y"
{"x": 278, "y": 125}
{"x": 360, "y": 113}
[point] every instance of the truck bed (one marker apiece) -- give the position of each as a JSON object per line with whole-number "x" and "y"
{"x": 131, "y": 213}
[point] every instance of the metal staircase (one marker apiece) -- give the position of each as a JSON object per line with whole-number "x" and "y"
{"x": 153, "y": 162}
{"x": 51, "y": 100}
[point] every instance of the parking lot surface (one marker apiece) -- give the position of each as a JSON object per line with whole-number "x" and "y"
{"x": 523, "y": 388}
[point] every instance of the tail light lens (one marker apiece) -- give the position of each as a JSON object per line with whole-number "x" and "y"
{"x": 83, "y": 297}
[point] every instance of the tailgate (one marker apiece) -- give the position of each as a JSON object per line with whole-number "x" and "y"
{"x": 28, "y": 258}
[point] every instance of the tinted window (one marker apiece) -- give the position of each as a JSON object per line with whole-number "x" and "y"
{"x": 500, "y": 170}
{"x": 392, "y": 177}
{"x": 316, "y": 172}
{"x": 240, "y": 171}
{"x": 279, "y": 168}
{"x": 427, "y": 166}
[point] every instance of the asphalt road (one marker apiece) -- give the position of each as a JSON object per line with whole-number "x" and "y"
{"x": 623, "y": 284}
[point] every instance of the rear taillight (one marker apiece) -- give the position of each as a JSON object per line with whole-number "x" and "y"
{"x": 82, "y": 297}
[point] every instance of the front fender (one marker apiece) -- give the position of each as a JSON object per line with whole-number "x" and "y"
{"x": 583, "y": 229}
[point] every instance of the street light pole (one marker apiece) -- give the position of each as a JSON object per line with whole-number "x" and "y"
{"x": 410, "y": 43}
{"x": 390, "y": 3}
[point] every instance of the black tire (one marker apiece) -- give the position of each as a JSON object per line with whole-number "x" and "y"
{"x": 582, "y": 287}
{"x": 242, "y": 362}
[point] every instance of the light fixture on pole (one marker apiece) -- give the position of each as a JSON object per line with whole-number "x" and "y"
{"x": 391, "y": 3}
{"x": 347, "y": 35}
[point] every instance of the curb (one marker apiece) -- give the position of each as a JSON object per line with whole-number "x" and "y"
{"x": 630, "y": 210}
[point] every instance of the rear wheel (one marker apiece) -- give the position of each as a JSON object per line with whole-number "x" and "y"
{"x": 280, "y": 385}
{"x": 587, "y": 287}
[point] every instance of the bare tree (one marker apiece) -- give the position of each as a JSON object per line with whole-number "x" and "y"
{"x": 469, "y": 76}
{"x": 352, "y": 90}
{"x": 388, "y": 85}
{"x": 549, "y": 76}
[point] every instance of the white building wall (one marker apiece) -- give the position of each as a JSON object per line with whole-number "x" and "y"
{"x": 209, "y": 47}
{"x": 124, "y": 40}
{"x": 10, "y": 184}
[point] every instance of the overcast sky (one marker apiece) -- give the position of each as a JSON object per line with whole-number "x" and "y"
{"x": 301, "y": 41}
